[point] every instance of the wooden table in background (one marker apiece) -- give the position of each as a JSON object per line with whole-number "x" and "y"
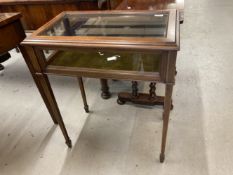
{"x": 36, "y": 13}
{"x": 11, "y": 31}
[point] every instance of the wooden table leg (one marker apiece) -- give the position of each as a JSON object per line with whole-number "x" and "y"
{"x": 45, "y": 90}
{"x": 166, "y": 113}
{"x": 81, "y": 86}
{"x": 105, "y": 89}
{"x": 46, "y": 101}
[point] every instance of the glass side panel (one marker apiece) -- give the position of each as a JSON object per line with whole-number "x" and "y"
{"x": 124, "y": 61}
{"x": 112, "y": 25}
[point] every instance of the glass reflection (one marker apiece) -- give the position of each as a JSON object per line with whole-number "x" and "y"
{"x": 147, "y": 25}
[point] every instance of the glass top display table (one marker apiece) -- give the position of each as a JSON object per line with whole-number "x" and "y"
{"x": 134, "y": 46}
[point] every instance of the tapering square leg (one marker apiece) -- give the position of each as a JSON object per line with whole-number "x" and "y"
{"x": 45, "y": 88}
{"x": 81, "y": 86}
{"x": 32, "y": 71}
{"x": 166, "y": 114}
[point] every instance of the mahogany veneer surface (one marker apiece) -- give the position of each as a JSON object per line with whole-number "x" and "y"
{"x": 35, "y": 13}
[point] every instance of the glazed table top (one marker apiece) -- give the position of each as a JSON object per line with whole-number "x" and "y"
{"x": 121, "y": 29}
